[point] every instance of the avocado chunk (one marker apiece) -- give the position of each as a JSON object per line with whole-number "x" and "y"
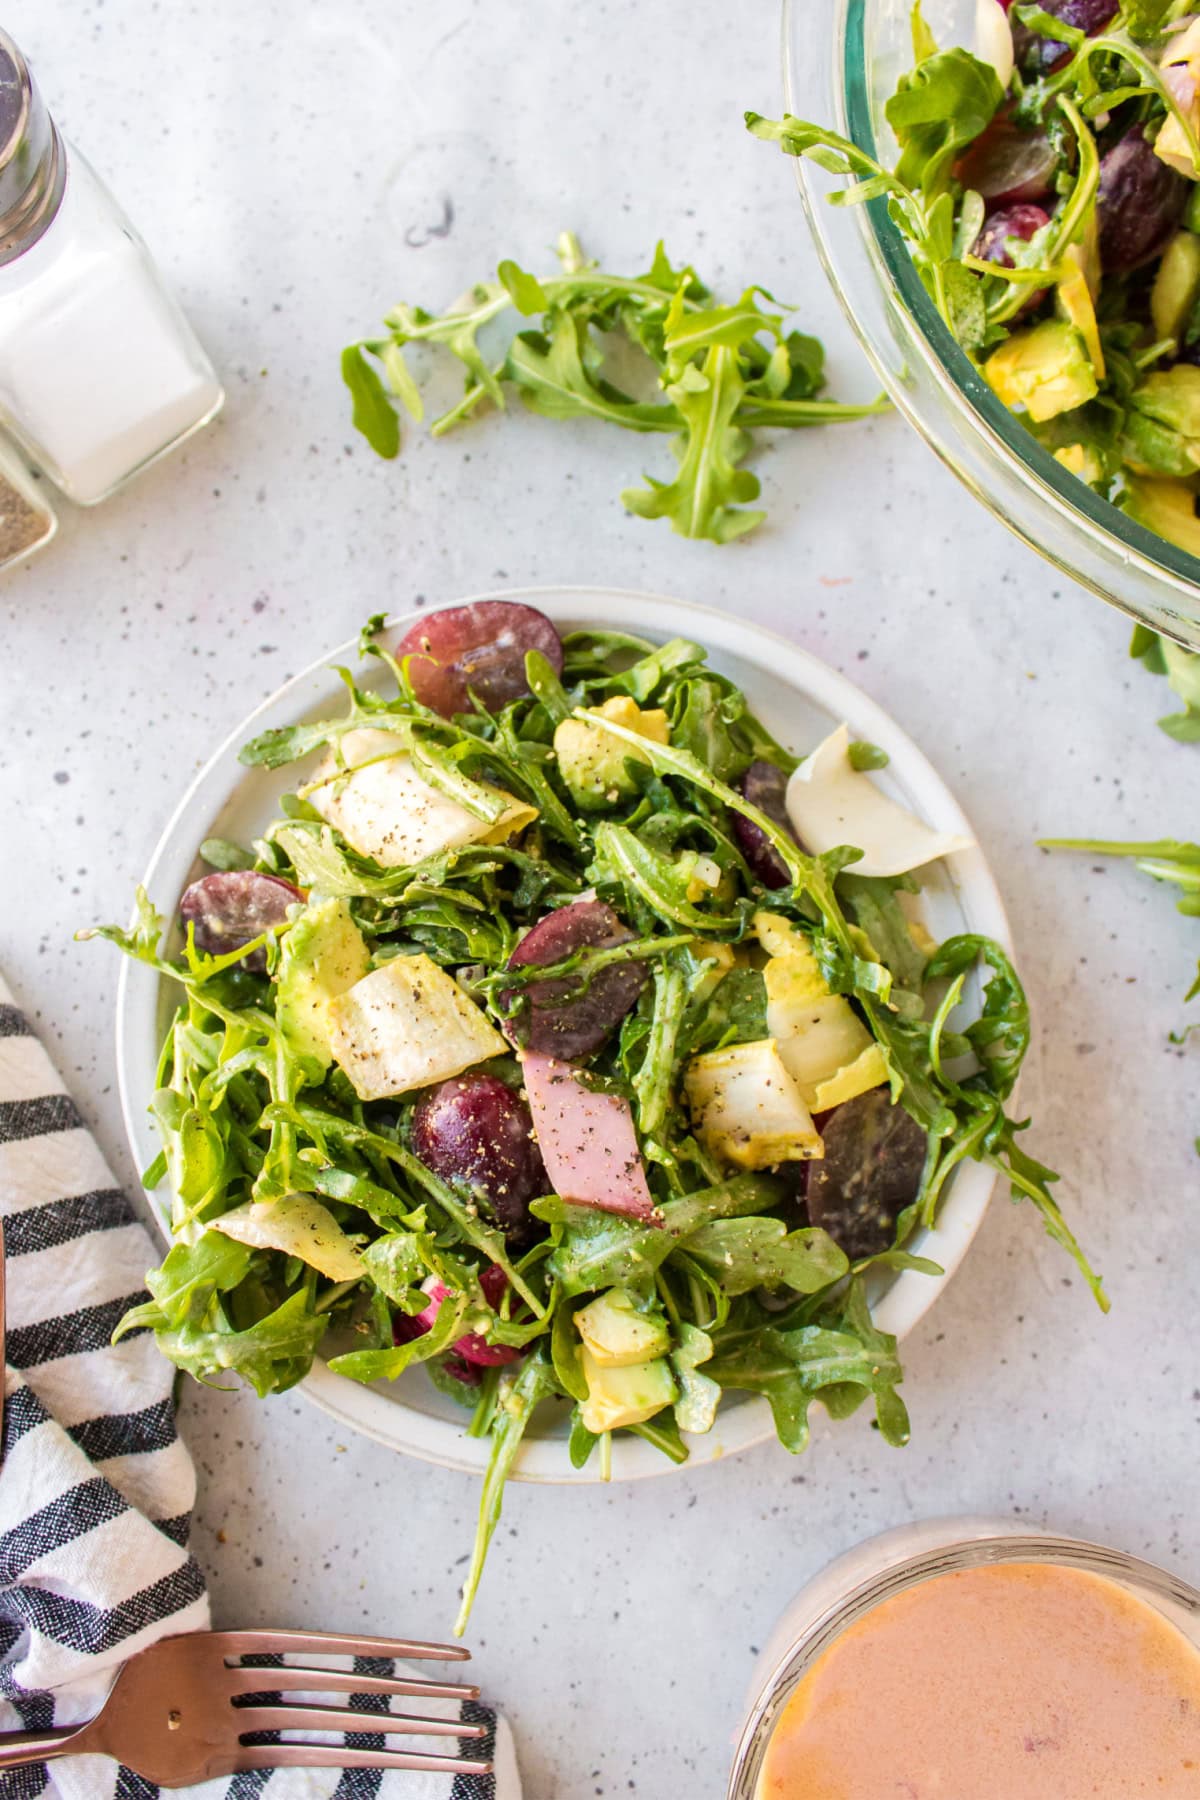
{"x": 617, "y": 1334}
{"x": 1176, "y": 286}
{"x": 593, "y": 762}
{"x": 1168, "y": 507}
{"x": 1162, "y": 427}
{"x": 1043, "y": 370}
{"x": 625, "y": 1396}
{"x": 323, "y": 955}
{"x": 1082, "y": 460}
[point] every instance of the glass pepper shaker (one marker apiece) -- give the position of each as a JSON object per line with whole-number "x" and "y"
{"x": 100, "y": 373}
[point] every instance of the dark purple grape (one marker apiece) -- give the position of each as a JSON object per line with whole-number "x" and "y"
{"x": 763, "y": 785}
{"x": 1139, "y": 204}
{"x": 230, "y": 908}
{"x": 1006, "y": 163}
{"x": 871, "y": 1170}
{"x": 475, "y": 1130}
{"x": 1037, "y": 55}
{"x": 552, "y": 1018}
{"x": 1007, "y": 222}
{"x": 480, "y": 647}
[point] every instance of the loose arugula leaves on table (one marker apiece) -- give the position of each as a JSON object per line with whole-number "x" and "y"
{"x": 952, "y": 121}
{"x": 1170, "y": 860}
{"x": 1182, "y": 669}
{"x": 722, "y": 372}
{"x": 755, "y": 1297}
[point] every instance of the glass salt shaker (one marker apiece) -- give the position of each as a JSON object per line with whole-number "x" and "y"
{"x": 100, "y": 373}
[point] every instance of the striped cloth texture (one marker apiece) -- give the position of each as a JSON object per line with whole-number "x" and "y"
{"x": 96, "y": 1488}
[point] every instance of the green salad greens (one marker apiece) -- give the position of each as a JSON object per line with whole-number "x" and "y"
{"x": 529, "y": 1044}
{"x": 709, "y": 375}
{"x": 1049, "y": 191}
{"x": 1047, "y": 188}
{"x": 1170, "y": 860}
{"x": 1181, "y": 669}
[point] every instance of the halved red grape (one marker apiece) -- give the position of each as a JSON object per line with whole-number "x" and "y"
{"x": 1007, "y": 222}
{"x": 555, "y": 1017}
{"x": 871, "y": 1170}
{"x": 477, "y": 1131}
{"x": 1139, "y": 204}
{"x": 764, "y": 785}
{"x": 479, "y": 648}
{"x": 233, "y": 906}
{"x": 1006, "y": 163}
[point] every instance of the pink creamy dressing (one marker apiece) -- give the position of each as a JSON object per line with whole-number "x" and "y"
{"x": 1020, "y": 1681}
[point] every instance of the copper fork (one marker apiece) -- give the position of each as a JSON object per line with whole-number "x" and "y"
{"x": 175, "y": 1714}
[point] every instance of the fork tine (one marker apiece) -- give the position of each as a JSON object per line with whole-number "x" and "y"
{"x": 349, "y": 1718}
{"x": 332, "y": 1756}
{"x": 328, "y": 1643}
{"x": 245, "y": 1678}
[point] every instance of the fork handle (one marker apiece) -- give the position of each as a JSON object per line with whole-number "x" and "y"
{"x": 20, "y": 1747}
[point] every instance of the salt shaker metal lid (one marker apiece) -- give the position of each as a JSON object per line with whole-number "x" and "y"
{"x": 33, "y": 163}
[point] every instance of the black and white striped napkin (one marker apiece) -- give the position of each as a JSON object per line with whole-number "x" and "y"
{"x": 96, "y": 1489}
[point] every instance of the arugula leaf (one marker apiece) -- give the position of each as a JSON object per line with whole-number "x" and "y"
{"x": 374, "y": 415}
{"x": 722, "y": 370}
{"x": 1001, "y": 1033}
{"x": 734, "y": 1013}
{"x": 184, "y": 1286}
{"x": 699, "y": 1397}
{"x": 1165, "y": 859}
{"x": 522, "y": 1395}
{"x": 386, "y": 1365}
{"x": 843, "y": 1359}
{"x": 744, "y": 1254}
{"x": 1182, "y": 670}
{"x": 524, "y": 290}
{"x": 550, "y": 369}
{"x": 939, "y": 108}
{"x": 594, "y": 1250}
{"x": 707, "y": 498}
{"x": 272, "y": 1355}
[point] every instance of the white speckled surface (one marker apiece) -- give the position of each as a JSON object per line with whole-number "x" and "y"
{"x": 298, "y": 167}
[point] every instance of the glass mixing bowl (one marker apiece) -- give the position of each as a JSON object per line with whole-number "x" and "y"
{"x": 842, "y": 59}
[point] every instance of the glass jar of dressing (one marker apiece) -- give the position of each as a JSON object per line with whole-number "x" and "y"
{"x": 100, "y": 373}
{"x": 965, "y": 1656}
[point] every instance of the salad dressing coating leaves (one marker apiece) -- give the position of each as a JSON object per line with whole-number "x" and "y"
{"x": 306, "y": 1222}
{"x": 1049, "y": 191}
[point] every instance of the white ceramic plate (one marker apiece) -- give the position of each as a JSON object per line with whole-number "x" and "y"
{"x": 799, "y": 699}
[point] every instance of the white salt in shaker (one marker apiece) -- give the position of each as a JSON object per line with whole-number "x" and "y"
{"x": 100, "y": 373}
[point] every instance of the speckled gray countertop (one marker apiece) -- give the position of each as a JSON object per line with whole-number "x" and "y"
{"x": 298, "y": 167}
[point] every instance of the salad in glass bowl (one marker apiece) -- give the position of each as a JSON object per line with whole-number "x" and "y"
{"x": 567, "y": 1035}
{"x": 1047, "y": 185}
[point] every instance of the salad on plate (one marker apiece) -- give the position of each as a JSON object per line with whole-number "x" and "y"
{"x": 1048, "y": 184}
{"x": 568, "y": 1035}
